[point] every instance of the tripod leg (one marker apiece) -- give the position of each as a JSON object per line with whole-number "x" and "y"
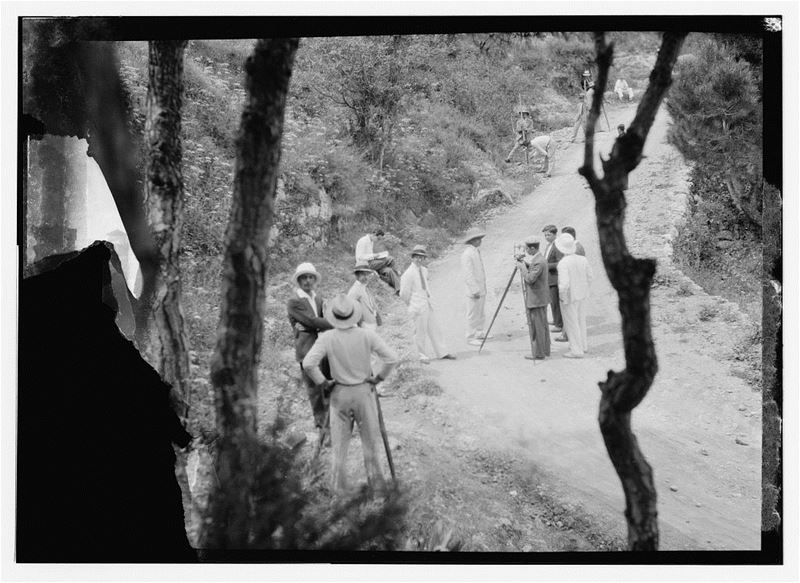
{"x": 500, "y": 303}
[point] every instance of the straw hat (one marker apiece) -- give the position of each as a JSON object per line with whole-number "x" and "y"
{"x": 586, "y": 73}
{"x": 306, "y": 269}
{"x": 342, "y": 312}
{"x": 473, "y": 233}
{"x": 566, "y": 243}
{"x": 531, "y": 241}
{"x": 363, "y": 267}
{"x": 419, "y": 250}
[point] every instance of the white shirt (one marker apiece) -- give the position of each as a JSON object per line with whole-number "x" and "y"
{"x": 472, "y": 269}
{"x": 574, "y": 278}
{"x": 412, "y": 292}
{"x": 364, "y": 251}
{"x": 311, "y": 299}
{"x": 349, "y": 351}
{"x": 541, "y": 143}
{"x": 359, "y": 293}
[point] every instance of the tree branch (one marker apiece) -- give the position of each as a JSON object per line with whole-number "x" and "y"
{"x": 631, "y": 277}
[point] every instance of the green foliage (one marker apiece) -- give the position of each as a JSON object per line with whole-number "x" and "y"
{"x": 715, "y": 104}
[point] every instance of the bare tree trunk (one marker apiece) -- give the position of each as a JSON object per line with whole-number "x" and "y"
{"x": 235, "y": 364}
{"x": 164, "y": 191}
{"x": 631, "y": 278}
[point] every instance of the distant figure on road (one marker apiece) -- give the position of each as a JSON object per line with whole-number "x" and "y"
{"x": 359, "y": 292}
{"x": 381, "y": 262}
{"x": 349, "y": 350}
{"x": 537, "y": 297}
{"x": 622, "y": 89}
{"x": 552, "y": 255}
{"x": 414, "y": 291}
{"x": 583, "y": 111}
{"x": 475, "y": 280}
{"x": 306, "y": 318}
{"x": 524, "y": 129}
{"x": 574, "y": 280}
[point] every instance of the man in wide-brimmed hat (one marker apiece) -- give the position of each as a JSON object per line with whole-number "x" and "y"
{"x": 574, "y": 280}
{"x": 306, "y": 317}
{"x": 475, "y": 281}
{"x": 349, "y": 350}
{"x": 537, "y": 297}
{"x": 359, "y": 292}
{"x": 583, "y": 111}
{"x": 414, "y": 291}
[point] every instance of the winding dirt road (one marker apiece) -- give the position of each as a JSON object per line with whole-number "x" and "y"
{"x": 699, "y": 427}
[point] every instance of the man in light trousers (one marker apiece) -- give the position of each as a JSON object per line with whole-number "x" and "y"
{"x": 475, "y": 281}
{"x": 414, "y": 291}
{"x": 574, "y": 281}
{"x": 349, "y": 349}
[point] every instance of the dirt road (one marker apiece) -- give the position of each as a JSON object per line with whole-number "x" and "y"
{"x": 700, "y": 426}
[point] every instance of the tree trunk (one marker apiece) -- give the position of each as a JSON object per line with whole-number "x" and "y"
{"x": 631, "y": 278}
{"x": 235, "y": 364}
{"x": 164, "y": 191}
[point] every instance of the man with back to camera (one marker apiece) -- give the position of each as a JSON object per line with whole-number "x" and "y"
{"x": 350, "y": 350}
{"x": 574, "y": 281}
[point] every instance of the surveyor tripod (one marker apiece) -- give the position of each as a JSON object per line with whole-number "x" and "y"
{"x": 525, "y": 307}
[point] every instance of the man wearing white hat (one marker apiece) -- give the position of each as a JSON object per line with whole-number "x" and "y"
{"x": 574, "y": 280}
{"x": 583, "y": 113}
{"x": 475, "y": 281}
{"x": 305, "y": 310}
{"x": 349, "y": 350}
{"x": 414, "y": 291}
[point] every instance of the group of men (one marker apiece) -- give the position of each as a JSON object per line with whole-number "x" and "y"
{"x": 342, "y": 357}
{"x": 559, "y": 277}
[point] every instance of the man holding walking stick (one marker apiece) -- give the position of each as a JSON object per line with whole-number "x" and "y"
{"x": 349, "y": 349}
{"x": 537, "y": 297}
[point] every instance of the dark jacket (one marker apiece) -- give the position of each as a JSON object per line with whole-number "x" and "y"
{"x": 306, "y": 325}
{"x": 537, "y": 292}
{"x": 579, "y": 250}
{"x": 552, "y": 262}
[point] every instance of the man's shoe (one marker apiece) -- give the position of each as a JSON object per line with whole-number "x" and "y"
{"x": 449, "y": 357}
{"x": 508, "y": 160}
{"x": 482, "y": 336}
{"x": 562, "y": 338}
{"x": 571, "y": 355}
{"x": 474, "y": 342}
{"x": 556, "y": 329}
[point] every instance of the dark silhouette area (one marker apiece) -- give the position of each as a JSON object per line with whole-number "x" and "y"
{"x": 95, "y": 463}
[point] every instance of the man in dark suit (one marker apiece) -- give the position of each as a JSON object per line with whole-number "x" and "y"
{"x": 305, "y": 312}
{"x": 537, "y": 297}
{"x": 553, "y": 256}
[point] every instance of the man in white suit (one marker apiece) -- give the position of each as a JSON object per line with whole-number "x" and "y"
{"x": 475, "y": 281}
{"x": 574, "y": 280}
{"x": 414, "y": 291}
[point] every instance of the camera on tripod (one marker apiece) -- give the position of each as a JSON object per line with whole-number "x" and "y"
{"x": 519, "y": 251}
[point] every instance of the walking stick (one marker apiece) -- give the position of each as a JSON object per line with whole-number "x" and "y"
{"x": 508, "y": 285}
{"x": 383, "y": 434}
{"x": 528, "y": 316}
